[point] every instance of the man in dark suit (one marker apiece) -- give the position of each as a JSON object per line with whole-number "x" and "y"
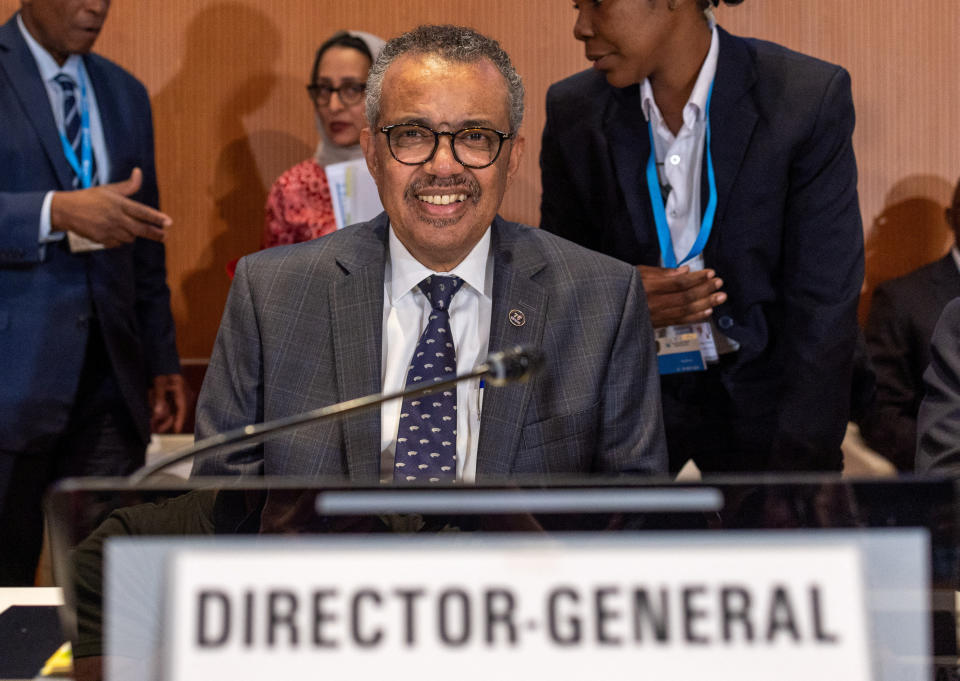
{"x": 752, "y": 150}
{"x": 344, "y": 316}
{"x": 903, "y": 314}
{"x": 85, "y": 324}
{"x": 938, "y": 420}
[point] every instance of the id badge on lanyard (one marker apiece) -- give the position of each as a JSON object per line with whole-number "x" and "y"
{"x": 83, "y": 166}
{"x": 680, "y": 352}
{"x": 659, "y": 211}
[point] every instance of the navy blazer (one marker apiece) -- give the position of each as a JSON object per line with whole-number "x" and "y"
{"x": 303, "y": 329}
{"x": 787, "y": 240}
{"x": 48, "y": 295}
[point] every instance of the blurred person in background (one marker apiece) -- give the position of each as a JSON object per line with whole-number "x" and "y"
{"x": 723, "y": 168}
{"x": 938, "y": 417}
{"x": 903, "y": 314}
{"x": 299, "y": 207}
{"x": 89, "y": 359}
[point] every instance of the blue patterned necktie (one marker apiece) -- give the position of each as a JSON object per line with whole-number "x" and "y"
{"x": 427, "y": 437}
{"x": 72, "y": 128}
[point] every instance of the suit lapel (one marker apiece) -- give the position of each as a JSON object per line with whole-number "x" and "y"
{"x": 946, "y": 280}
{"x": 21, "y": 70}
{"x": 733, "y": 117}
{"x": 114, "y": 127}
{"x": 516, "y": 262}
{"x": 356, "y": 310}
{"x": 629, "y": 147}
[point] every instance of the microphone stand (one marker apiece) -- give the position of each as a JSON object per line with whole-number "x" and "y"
{"x": 515, "y": 364}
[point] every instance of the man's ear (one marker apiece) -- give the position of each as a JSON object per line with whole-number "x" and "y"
{"x": 369, "y": 147}
{"x": 516, "y": 153}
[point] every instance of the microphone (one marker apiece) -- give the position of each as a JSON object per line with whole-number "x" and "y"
{"x": 515, "y": 364}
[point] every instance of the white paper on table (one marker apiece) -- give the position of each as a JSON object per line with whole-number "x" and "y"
{"x": 353, "y": 191}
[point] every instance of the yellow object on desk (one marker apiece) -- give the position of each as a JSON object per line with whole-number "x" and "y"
{"x": 60, "y": 663}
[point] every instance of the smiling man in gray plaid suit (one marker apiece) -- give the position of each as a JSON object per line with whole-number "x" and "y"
{"x": 370, "y": 308}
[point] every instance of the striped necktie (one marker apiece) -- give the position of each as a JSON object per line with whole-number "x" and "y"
{"x": 72, "y": 128}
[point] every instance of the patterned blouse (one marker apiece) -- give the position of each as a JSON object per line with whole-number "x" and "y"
{"x": 299, "y": 206}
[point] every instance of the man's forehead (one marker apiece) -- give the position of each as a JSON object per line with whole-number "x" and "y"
{"x": 440, "y": 121}
{"x": 436, "y": 64}
{"x": 425, "y": 72}
{"x": 433, "y": 90}
{"x": 57, "y": 4}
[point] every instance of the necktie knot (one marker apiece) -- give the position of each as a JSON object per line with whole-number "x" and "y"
{"x": 439, "y": 290}
{"x": 66, "y": 83}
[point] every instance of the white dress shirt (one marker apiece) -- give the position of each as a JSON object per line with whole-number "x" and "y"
{"x": 680, "y": 166}
{"x": 406, "y": 312}
{"x": 49, "y": 70}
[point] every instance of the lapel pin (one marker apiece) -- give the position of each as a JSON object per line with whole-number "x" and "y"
{"x": 517, "y": 318}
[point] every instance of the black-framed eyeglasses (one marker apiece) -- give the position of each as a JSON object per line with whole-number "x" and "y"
{"x": 350, "y": 93}
{"x": 414, "y": 145}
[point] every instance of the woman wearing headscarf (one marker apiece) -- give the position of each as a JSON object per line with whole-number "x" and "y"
{"x": 723, "y": 168}
{"x": 299, "y": 207}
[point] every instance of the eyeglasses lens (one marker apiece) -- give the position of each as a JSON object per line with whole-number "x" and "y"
{"x": 473, "y": 147}
{"x": 350, "y": 93}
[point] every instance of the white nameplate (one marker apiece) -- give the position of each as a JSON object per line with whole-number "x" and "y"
{"x": 480, "y": 609}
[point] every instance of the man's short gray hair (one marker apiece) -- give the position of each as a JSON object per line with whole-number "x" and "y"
{"x": 452, "y": 43}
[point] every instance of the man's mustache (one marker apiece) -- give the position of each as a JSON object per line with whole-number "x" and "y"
{"x": 463, "y": 184}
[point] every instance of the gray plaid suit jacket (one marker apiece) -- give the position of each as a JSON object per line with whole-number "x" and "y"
{"x": 302, "y": 330}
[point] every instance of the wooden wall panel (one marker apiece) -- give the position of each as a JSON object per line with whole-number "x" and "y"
{"x": 226, "y": 80}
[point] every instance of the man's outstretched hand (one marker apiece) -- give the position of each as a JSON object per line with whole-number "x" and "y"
{"x": 106, "y": 215}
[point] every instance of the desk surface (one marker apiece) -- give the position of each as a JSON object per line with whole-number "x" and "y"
{"x": 30, "y": 595}
{"x": 29, "y": 637}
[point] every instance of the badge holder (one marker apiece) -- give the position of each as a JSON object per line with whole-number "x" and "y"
{"x": 81, "y": 244}
{"x": 679, "y": 354}
{"x": 83, "y": 166}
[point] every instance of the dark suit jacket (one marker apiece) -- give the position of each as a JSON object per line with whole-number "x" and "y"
{"x": 303, "y": 329}
{"x": 787, "y": 240}
{"x": 903, "y": 314}
{"x": 938, "y": 422}
{"x": 48, "y": 296}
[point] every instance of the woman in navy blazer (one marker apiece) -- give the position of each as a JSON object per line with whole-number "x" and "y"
{"x": 783, "y": 264}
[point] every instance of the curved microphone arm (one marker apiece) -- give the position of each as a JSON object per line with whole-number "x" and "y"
{"x": 500, "y": 368}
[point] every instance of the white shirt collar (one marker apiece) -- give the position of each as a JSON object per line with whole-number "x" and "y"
{"x": 48, "y": 66}
{"x": 406, "y": 271}
{"x": 697, "y": 104}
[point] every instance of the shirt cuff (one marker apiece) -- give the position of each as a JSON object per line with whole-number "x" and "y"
{"x": 47, "y": 235}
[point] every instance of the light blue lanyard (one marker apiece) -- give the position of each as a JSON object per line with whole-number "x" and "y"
{"x": 660, "y": 214}
{"x": 83, "y": 167}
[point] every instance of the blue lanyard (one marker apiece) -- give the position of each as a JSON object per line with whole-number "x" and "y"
{"x": 83, "y": 167}
{"x": 660, "y": 215}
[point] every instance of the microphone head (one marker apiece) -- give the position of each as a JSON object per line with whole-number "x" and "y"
{"x": 513, "y": 364}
